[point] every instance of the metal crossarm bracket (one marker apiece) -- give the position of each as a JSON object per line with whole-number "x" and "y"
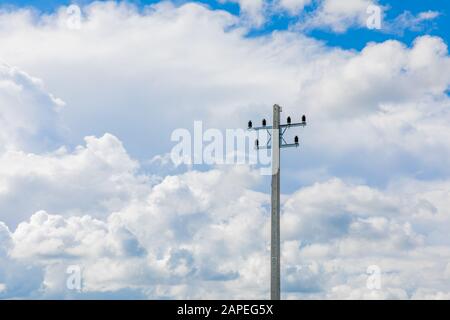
{"x": 283, "y": 143}
{"x": 289, "y": 145}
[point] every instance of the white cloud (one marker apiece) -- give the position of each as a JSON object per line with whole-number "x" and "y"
{"x": 293, "y": 6}
{"x": 379, "y": 108}
{"x": 92, "y": 179}
{"x": 211, "y": 229}
{"x": 408, "y": 21}
{"x": 277, "y": 53}
{"x": 381, "y": 73}
{"x": 424, "y": 294}
{"x": 17, "y": 280}
{"x": 28, "y": 114}
{"x": 138, "y": 236}
{"x": 358, "y": 294}
{"x": 428, "y": 15}
{"x": 200, "y": 54}
{"x": 4, "y": 238}
{"x": 338, "y": 15}
{"x": 253, "y": 12}
{"x": 225, "y": 79}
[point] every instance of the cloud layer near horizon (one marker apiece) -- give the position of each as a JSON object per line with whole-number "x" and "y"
{"x": 205, "y": 235}
{"x": 376, "y": 169}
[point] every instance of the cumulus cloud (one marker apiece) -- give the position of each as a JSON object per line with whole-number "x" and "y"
{"x": 339, "y": 15}
{"x": 377, "y": 120}
{"x": 391, "y": 100}
{"x": 28, "y": 113}
{"x": 201, "y": 54}
{"x": 253, "y": 12}
{"x": 92, "y": 179}
{"x": 364, "y": 227}
{"x": 383, "y": 73}
{"x": 189, "y": 235}
{"x": 226, "y": 78}
{"x": 211, "y": 229}
{"x": 17, "y": 280}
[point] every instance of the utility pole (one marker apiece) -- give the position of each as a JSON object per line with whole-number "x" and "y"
{"x": 278, "y": 142}
{"x": 275, "y": 200}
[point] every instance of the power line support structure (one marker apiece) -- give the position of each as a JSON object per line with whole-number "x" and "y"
{"x": 275, "y": 142}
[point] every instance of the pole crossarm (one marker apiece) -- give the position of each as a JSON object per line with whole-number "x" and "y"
{"x": 286, "y": 145}
{"x": 289, "y": 145}
{"x": 282, "y": 130}
{"x": 298, "y": 124}
{"x": 275, "y": 144}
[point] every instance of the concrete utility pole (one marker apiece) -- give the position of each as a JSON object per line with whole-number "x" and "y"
{"x": 275, "y": 224}
{"x": 278, "y": 142}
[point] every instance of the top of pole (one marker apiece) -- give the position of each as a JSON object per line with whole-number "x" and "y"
{"x": 275, "y": 106}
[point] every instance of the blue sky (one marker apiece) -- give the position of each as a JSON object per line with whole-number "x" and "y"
{"x": 86, "y": 177}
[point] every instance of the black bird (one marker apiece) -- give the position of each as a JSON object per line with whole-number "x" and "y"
{"x": 296, "y": 140}
{"x": 250, "y": 124}
{"x": 288, "y": 120}
{"x": 304, "y": 119}
{"x": 264, "y": 122}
